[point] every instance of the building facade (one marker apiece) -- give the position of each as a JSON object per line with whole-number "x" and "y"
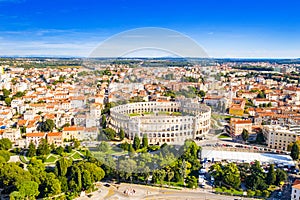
{"x": 237, "y": 126}
{"x": 295, "y": 195}
{"x": 162, "y": 122}
{"x": 279, "y": 137}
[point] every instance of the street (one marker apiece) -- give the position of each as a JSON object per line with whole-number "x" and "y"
{"x": 114, "y": 192}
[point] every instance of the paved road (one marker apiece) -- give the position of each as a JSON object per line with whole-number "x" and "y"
{"x": 152, "y": 193}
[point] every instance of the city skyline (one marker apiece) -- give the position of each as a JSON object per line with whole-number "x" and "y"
{"x": 229, "y": 29}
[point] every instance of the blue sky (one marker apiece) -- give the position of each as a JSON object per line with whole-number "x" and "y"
{"x": 226, "y": 28}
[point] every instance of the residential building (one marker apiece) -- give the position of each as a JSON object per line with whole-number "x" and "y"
{"x": 55, "y": 138}
{"x": 295, "y": 195}
{"x": 279, "y": 137}
{"x": 11, "y": 134}
{"x": 35, "y": 138}
{"x": 73, "y": 132}
{"x": 237, "y": 126}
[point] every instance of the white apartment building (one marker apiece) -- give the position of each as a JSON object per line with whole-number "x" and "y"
{"x": 279, "y": 137}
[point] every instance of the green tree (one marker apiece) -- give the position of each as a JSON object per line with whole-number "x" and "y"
{"x": 28, "y": 189}
{"x": 7, "y": 101}
{"x": 170, "y": 175}
{"x": 2, "y": 160}
{"x": 189, "y": 152}
{"x": 159, "y": 176}
{"x": 289, "y": 147}
{"x": 6, "y": 93}
{"x": 15, "y": 195}
{"x": 136, "y": 142}
{"x": 43, "y": 148}
{"x": 36, "y": 169}
{"x": 110, "y": 133}
{"x": 103, "y": 147}
{"x": 50, "y": 186}
{"x": 31, "y": 150}
{"x": 245, "y": 135}
{"x": 52, "y": 147}
{"x": 11, "y": 175}
{"x": 59, "y": 150}
{"x": 295, "y": 151}
{"x": 63, "y": 183}
{"x": 103, "y": 121}
{"x": 281, "y": 176}
{"x": 86, "y": 180}
{"x": 68, "y": 149}
{"x": 76, "y": 176}
{"x": 145, "y": 141}
{"x": 127, "y": 168}
{"x": 162, "y": 176}
{"x": 76, "y": 144}
{"x": 146, "y": 173}
{"x": 256, "y": 179}
{"x": 61, "y": 166}
{"x": 131, "y": 150}
{"x": 260, "y": 138}
{"x": 19, "y": 94}
{"x": 202, "y": 93}
{"x": 271, "y": 175}
{"x": 232, "y": 175}
{"x": 265, "y": 193}
{"x": 5, "y": 144}
{"x": 122, "y": 134}
{"x": 5, "y": 154}
{"x": 261, "y": 94}
{"x": 192, "y": 182}
{"x": 46, "y": 126}
{"x": 96, "y": 172}
{"x": 23, "y": 129}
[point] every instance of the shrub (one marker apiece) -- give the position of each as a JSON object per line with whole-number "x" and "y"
{"x": 219, "y": 190}
{"x": 258, "y": 193}
{"x": 250, "y": 193}
{"x": 265, "y": 193}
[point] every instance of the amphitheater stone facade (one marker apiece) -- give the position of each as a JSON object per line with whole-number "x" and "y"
{"x": 163, "y": 122}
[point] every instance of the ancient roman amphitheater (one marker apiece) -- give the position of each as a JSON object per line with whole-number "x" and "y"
{"x": 163, "y": 122}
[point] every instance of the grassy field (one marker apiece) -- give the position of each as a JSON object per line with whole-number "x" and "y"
{"x": 224, "y": 136}
{"x": 134, "y": 114}
{"x": 159, "y": 113}
{"x": 220, "y": 117}
{"x": 22, "y": 158}
{"x": 76, "y": 156}
{"x": 51, "y": 159}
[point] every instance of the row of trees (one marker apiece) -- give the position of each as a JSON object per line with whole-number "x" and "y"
{"x": 45, "y": 149}
{"x": 166, "y": 164}
{"x": 295, "y": 150}
{"x": 254, "y": 177}
{"x": 5, "y": 144}
{"x": 68, "y": 177}
{"x": 110, "y": 134}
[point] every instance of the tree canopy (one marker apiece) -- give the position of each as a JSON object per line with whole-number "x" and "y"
{"x": 5, "y": 144}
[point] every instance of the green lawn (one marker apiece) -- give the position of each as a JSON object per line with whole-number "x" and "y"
{"x": 148, "y": 113}
{"x": 23, "y": 159}
{"x": 76, "y": 156}
{"x": 177, "y": 114}
{"x": 133, "y": 114}
{"x": 224, "y": 136}
{"x": 51, "y": 159}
